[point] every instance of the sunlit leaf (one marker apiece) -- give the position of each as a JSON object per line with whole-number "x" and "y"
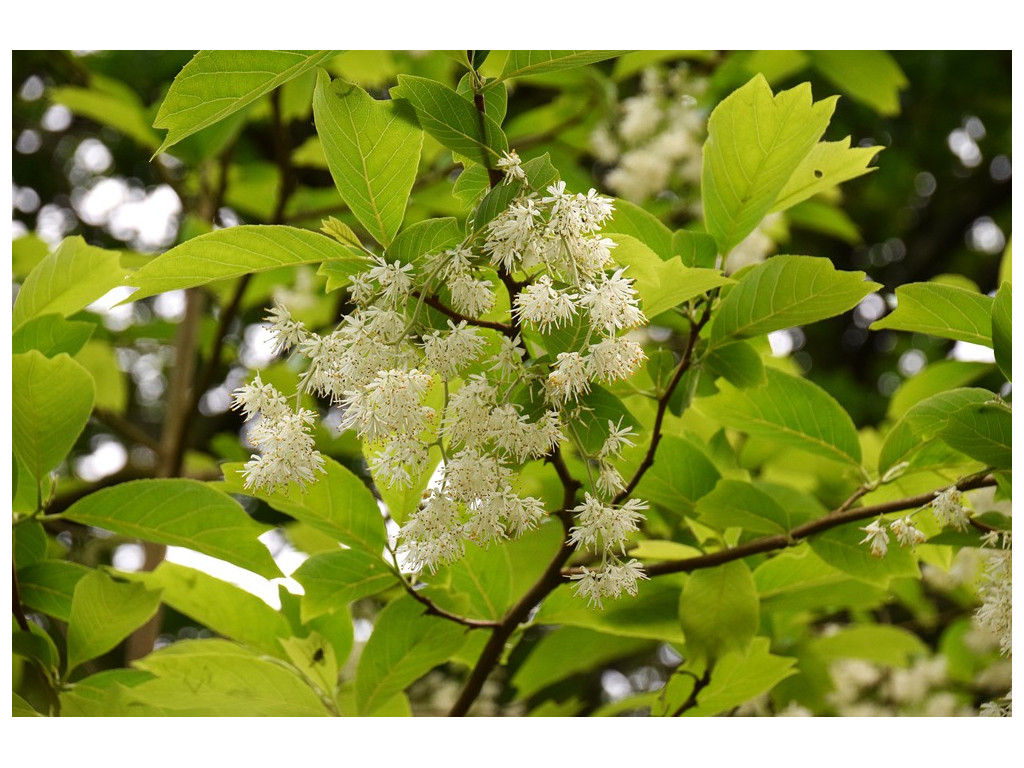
{"x": 719, "y": 610}
{"x": 828, "y": 164}
{"x": 51, "y": 334}
{"x": 942, "y": 310}
{"x": 333, "y": 579}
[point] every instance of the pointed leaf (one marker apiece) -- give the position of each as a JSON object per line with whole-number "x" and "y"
{"x": 734, "y": 503}
{"x": 786, "y": 291}
{"x": 828, "y": 164}
{"x": 373, "y": 151}
{"x": 942, "y": 310}
{"x": 111, "y": 103}
{"x": 67, "y": 280}
{"x": 423, "y": 238}
{"x": 51, "y": 402}
{"x": 404, "y": 646}
{"x": 870, "y": 77}
{"x": 339, "y": 504}
{"x": 696, "y": 249}
{"x": 738, "y": 362}
{"x": 755, "y": 143}
{"x": 215, "y": 84}
{"x": 740, "y": 677}
{"x": 790, "y": 410}
{"x": 630, "y": 219}
{"x": 103, "y": 613}
{"x": 938, "y": 376}
{"x": 332, "y": 580}
{"x": 179, "y": 513}
{"x": 452, "y": 120}
{"x": 234, "y": 252}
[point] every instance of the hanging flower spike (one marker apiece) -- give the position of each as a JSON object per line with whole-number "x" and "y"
{"x": 877, "y": 536}
{"x": 906, "y": 534}
{"x": 948, "y": 508}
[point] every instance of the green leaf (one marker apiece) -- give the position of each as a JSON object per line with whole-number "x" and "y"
{"x": 825, "y": 218}
{"x": 495, "y": 99}
{"x": 870, "y": 77}
{"x": 314, "y": 657}
{"x": 103, "y": 613}
{"x": 334, "y": 579}
{"x": 522, "y": 63}
{"x": 841, "y": 548}
{"x": 790, "y": 410}
{"x": 755, "y": 143}
{"x": 1002, "y": 310}
{"x": 107, "y": 694}
{"x": 404, "y": 646}
{"x": 599, "y": 407}
{"x": 877, "y": 643}
{"x": 540, "y": 172}
{"x": 339, "y": 504}
{"x": 179, "y": 513}
{"x": 568, "y": 651}
{"x": 111, "y": 103}
{"x": 630, "y": 219}
{"x": 234, "y": 252}
{"x": 51, "y": 402}
{"x": 30, "y": 543}
{"x": 942, "y": 310}
{"x": 983, "y": 432}
{"x": 741, "y": 676}
{"x": 224, "y": 608}
{"x": 680, "y": 475}
{"x": 452, "y": 120}
{"x": 99, "y": 358}
{"x": 472, "y": 184}
{"x": 373, "y": 151}
{"x": 51, "y": 334}
{"x": 67, "y": 280}
{"x": 37, "y": 645}
{"x": 423, "y": 238}
{"x": 21, "y": 708}
{"x": 217, "y": 677}
{"x": 786, "y": 291}
{"x": 662, "y": 284}
{"x": 828, "y": 164}
{"x": 652, "y": 614}
{"x": 694, "y": 248}
{"x": 903, "y": 445}
{"x": 798, "y": 579}
{"x": 47, "y": 586}
{"x": 215, "y": 84}
{"x": 719, "y": 610}
{"x": 734, "y": 503}
{"x": 739, "y": 363}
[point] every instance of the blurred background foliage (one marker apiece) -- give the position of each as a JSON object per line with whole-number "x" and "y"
{"x": 83, "y": 145}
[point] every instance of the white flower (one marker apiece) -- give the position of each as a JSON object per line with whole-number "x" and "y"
{"x": 608, "y": 524}
{"x": 906, "y": 534}
{"x": 877, "y": 537}
{"x": 509, "y": 233}
{"x": 467, "y": 418}
{"x": 609, "y": 479}
{"x": 287, "y": 332}
{"x": 450, "y": 353}
{"x": 543, "y": 305}
{"x": 432, "y": 536}
{"x": 512, "y": 166}
{"x": 610, "y": 580}
{"x": 388, "y": 405}
{"x": 618, "y": 437}
{"x": 395, "y": 280}
{"x": 288, "y": 450}
{"x": 612, "y": 303}
{"x": 399, "y": 462}
{"x": 948, "y": 508}
{"x": 570, "y": 379}
{"x": 508, "y": 360}
{"x": 257, "y": 397}
{"x": 471, "y": 296}
{"x": 614, "y": 358}
{"x": 470, "y": 475}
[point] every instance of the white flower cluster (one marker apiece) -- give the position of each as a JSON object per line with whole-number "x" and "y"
{"x": 288, "y": 453}
{"x": 948, "y": 508}
{"x": 655, "y": 137}
{"x": 907, "y": 535}
{"x": 996, "y": 591}
{"x": 467, "y": 386}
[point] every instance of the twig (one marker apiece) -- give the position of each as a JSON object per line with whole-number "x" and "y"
{"x": 699, "y": 684}
{"x": 440, "y": 306}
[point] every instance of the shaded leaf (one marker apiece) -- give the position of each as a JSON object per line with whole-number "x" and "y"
{"x": 719, "y": 610}
{"x": 1002, "y": 310}
{"x": 734, "y": 503}
{"x": 841, "y": 548}
{"x": 738, "y": 363}
{"x": 111, "y": 103}
{"x": 332, "y": 580}
{"x": 877, "y": 643}
{"x": 870, "y": 77}
{"x": 680, "y": 475}
{"x": 521, "y": 63}
{"x": 51, "y": 334}
{"x": 51, "y": 402}
{"x": 47, "y": 586}
{"x": 103, "y": 613}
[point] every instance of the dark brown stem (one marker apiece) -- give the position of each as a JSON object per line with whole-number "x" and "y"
{"x": 126, "y": 428}
{"x": 699, "y": 684}
{"x": 433, "y": 609}
{"x": 440, "y": 306}
{"x": 659, "y": 418}
{"x": 518, "y": 613}
{"x": 833, "y": 519}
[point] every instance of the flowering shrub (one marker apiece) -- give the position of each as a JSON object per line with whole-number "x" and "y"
{"x": 515, "y": 419}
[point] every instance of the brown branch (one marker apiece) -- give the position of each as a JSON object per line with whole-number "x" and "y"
{"x": 659, "y": 418}
{"x": 440, "y": 306}
{"x": 126, "y": 428}
{"x": 433, "y": 609}
{"x": 18, "y": 608}
{"x": 699, "y": 684}
{"x": 833, "y": 519}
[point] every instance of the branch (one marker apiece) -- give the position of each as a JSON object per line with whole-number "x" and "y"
{"x": 433, "y": 609}
{"x": 699, "y": 684}
{"x": 833, "y": 519}
{"x": 683, "y": 367}
{"x": 440, "y": 306}
{"x": 126, "y": 428}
